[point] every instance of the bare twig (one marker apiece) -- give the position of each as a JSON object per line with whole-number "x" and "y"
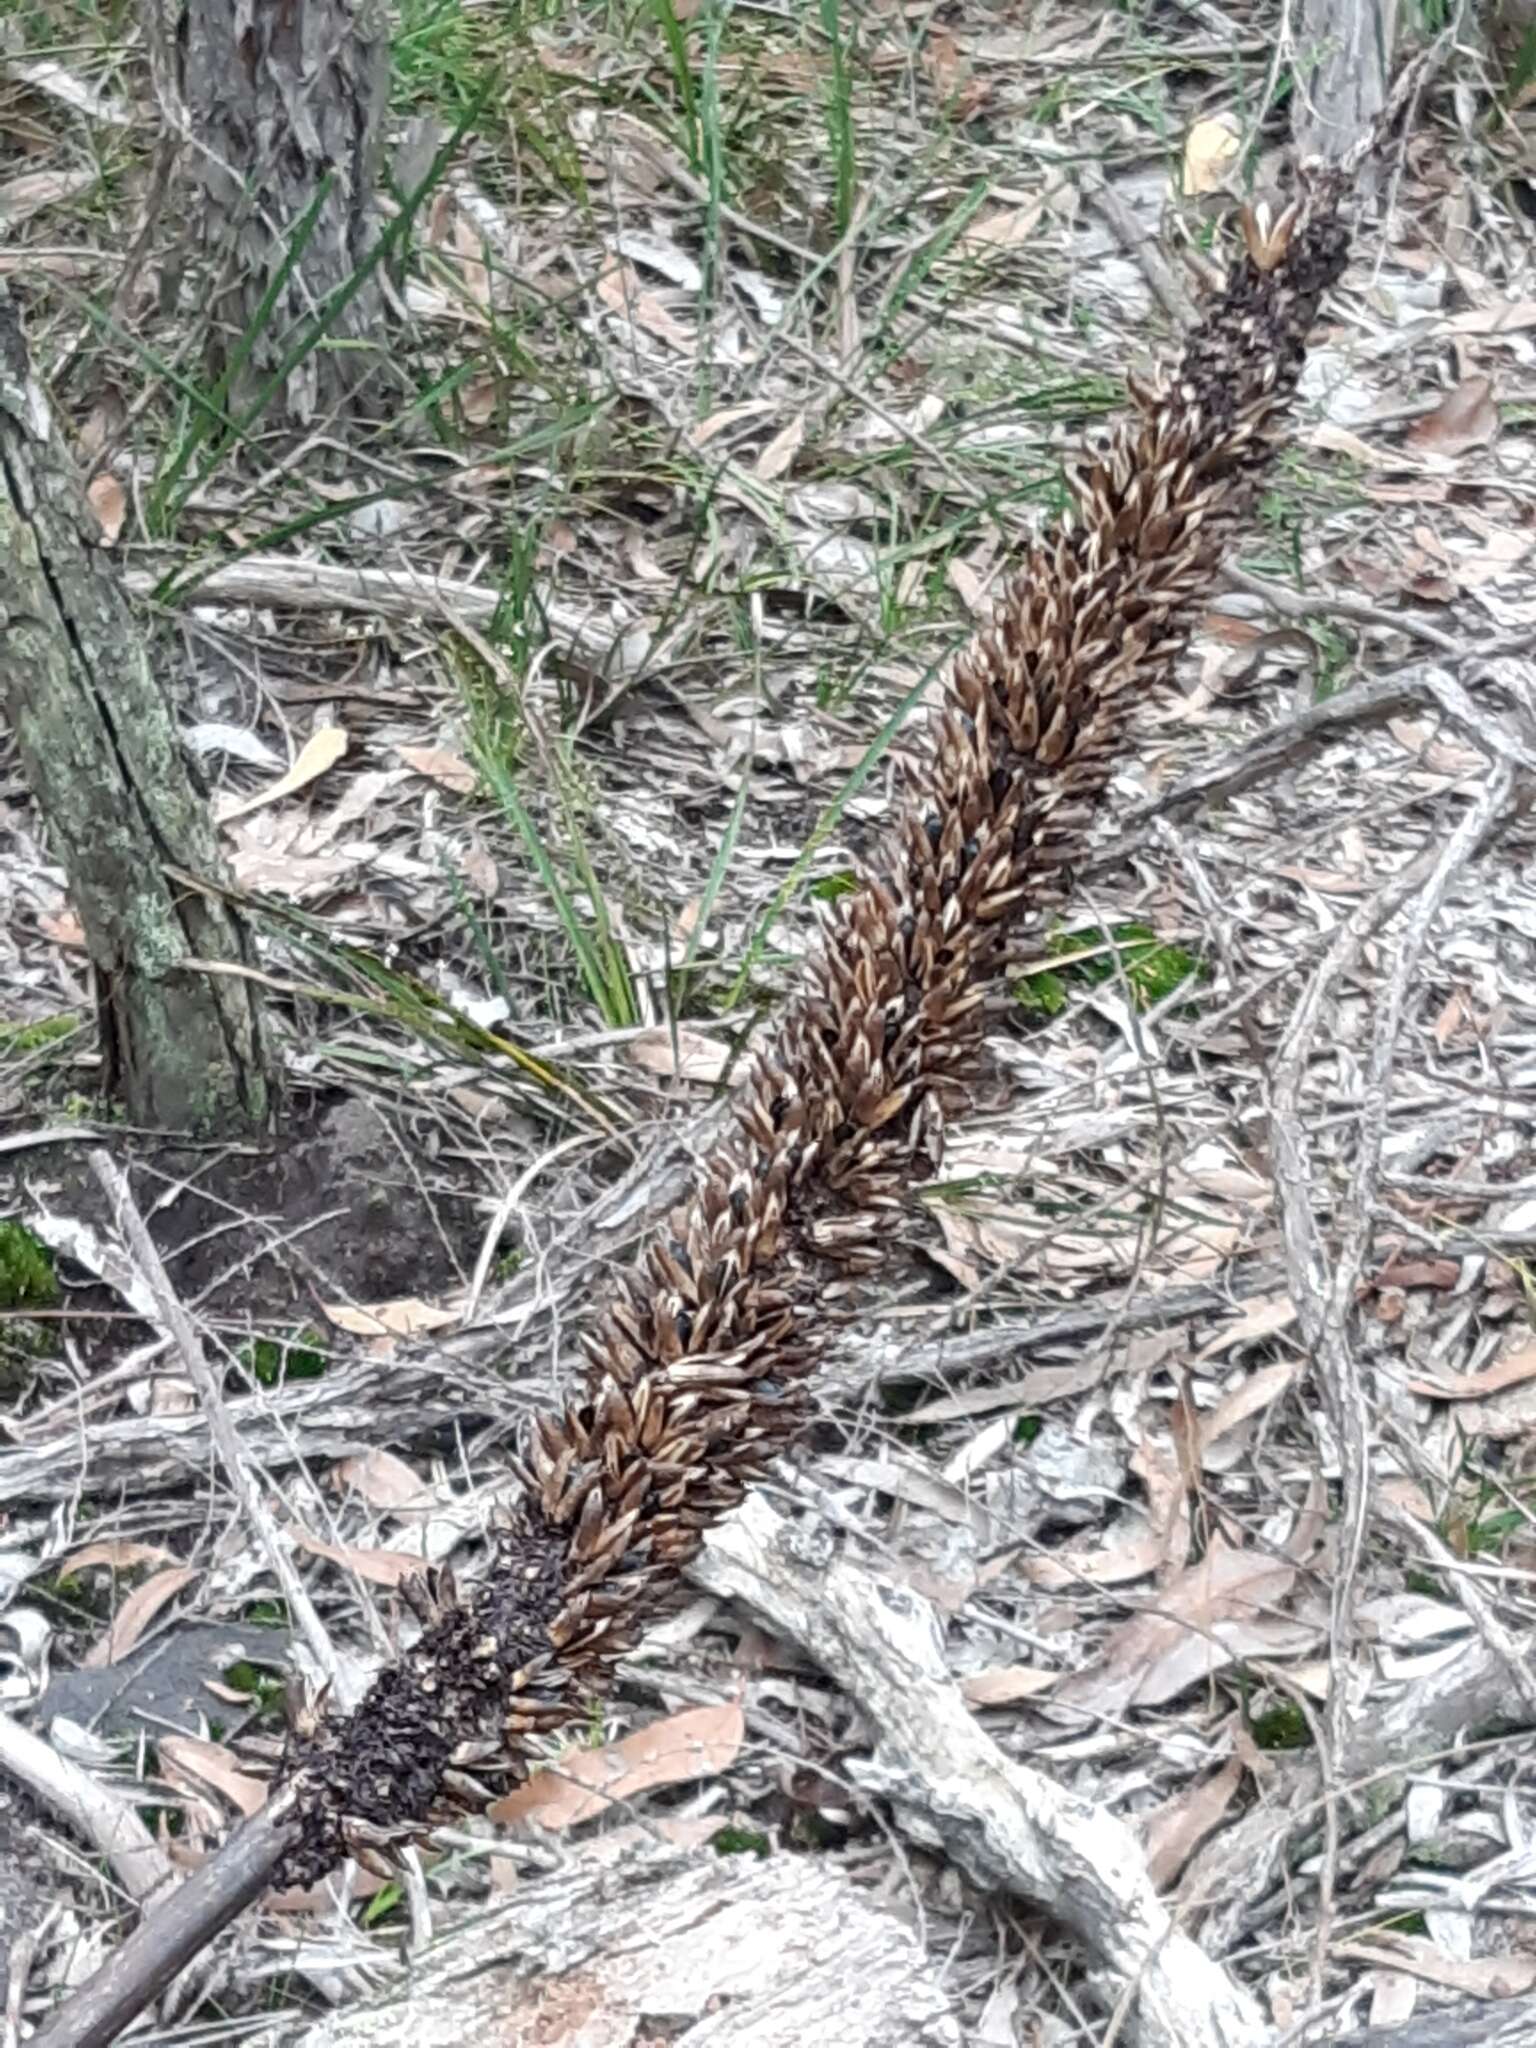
{"x": 158, "y": 1949}
{"x": 226, "y": 1440}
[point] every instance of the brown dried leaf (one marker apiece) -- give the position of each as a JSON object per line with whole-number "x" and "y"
{"x": 1171, "y": 1833}
{"x": 1218, "y": 1610}
{"x": 943, "y": 62}
{"x": 1251, "y": 1398}
{"x": 135, "y": 1615}
{"x": 109, "y": 501}
{"x": 1338, "y": 440}
{"x": 383, "y": 1480}
{"x": 695, "y": 1057}
{"x": 729, "y": 416}
{"x": 469, "y": 246}
{"x": 1004, "y": 1684}
{"x": 378, "y": 1567}
{"x": 621, "y": 291}
{"x": 1504, "y": 316}
{"x": 1211, "y": 148}
{"x": 700, "y": 1743}
{"x": 781, "y": 451}
{"x": 1035, "y": 1389}
{"x": 29, "y": 193}
{"x": 192, "y": 1765}
{"x": 1260, "y": 1319}
{"x": 1465, "y": 418}
{"x": 478, "y": 868}
{"x": 1133, "y": 1557}
{"x": 441, "y": 765}
{"x": 1473, "y": 1386}
{"x": 478, "y": 398}
{"x": 65, "y": 929}
{"x": 1014, "y": 228}
{"x": 118, "y": 1554}
{"x": 1497, "y": 1976}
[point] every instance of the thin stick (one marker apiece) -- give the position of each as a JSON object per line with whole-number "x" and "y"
{"x": 102, "y": 1815}
{"x": 232, "y": 1453}
{"x": 160, "y": 1947}
{"x": 1323, "y": 1290}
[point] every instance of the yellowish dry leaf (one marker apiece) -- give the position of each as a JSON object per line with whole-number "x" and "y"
{"x": 441, "y": 765}
{"x": 1211, "y": 149}
{"x": 109, "y": 501}
{"x": 320, "y": 752}
{"x": 407, "y": 1317}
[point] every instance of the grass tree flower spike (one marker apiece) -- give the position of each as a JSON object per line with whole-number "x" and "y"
{"x": 698, "y": 1366}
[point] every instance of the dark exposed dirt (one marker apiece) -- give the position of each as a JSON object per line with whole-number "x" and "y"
{"x": 261, "y": 1238}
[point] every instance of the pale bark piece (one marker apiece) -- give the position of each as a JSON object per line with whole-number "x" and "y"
{"x": 1467, "y": 2025}
{"x": 401, "y": 592}
{"x": 700, "y": 1950}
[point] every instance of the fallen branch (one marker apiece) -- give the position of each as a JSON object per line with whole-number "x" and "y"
{"x": 355, "y": 1408}
{"x": 950, "y": 1786}
{"x": 661, "y": 1944}
{"x": 615, "y": 652}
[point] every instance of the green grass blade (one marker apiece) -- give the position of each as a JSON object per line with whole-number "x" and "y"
{"x": 873, "y": 754}
{"x": 208, "y": 417}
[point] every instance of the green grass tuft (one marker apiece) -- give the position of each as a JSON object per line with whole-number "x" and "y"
{"x": 27, "y": 1276}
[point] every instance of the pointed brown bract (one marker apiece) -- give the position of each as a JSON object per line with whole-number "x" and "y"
{"x": 698, "y": 1367}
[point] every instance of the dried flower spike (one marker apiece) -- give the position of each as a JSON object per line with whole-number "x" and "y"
{"x": 698, "y": 1367}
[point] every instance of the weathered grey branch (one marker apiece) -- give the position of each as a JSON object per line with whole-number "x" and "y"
{"x": 1344, "y": 60}
{"x": 290, "y": 103}
{"x": 950, "y": 1785}
{"x": 664, "y": 1943}
{"x": 355, "y": 1408}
